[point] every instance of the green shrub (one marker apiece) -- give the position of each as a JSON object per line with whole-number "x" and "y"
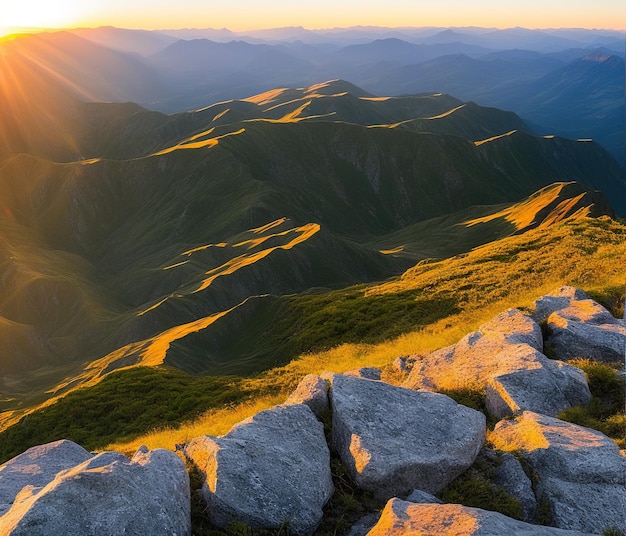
{"x": 123, "y": 405}
{"x": 605, "y": 412}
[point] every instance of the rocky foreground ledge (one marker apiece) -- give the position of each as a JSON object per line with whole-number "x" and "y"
{"x": 402, "y": 444}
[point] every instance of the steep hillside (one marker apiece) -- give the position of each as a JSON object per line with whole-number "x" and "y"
{"x": 558, "y": 100}
{"x": 461, "y": 293}
{"x": 146, "y": 239}
{"x": 231, "y": 319}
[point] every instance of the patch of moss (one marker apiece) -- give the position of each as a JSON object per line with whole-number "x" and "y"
{"x": 472, "y": 398}
{"x": 606, "y": 411}
{"x": 474, "y": 488}
{"x": 544, "y": 512}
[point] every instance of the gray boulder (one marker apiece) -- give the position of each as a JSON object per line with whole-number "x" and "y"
{"x": 557, "y": 300}
{"x": 581, "y": 327}
{"x": 580, "y": 472}
{"x": 421, "y": 497}
{"x": 514, "y": 327}
{"x": 394, "y": 440}
{"x": 312, "y": 391}
{"x": 271, "y": 469}
{"x": 107, "y": 495}
{"x": 363, "y": 525}
{"x": 400, "y": 518}
{"x": 367, "y": 373}
{"x": 510, "y": 476}
{"x": 535, "y": 383}
{"x": 37, "y": 467}
{"x": 504, "y": 358}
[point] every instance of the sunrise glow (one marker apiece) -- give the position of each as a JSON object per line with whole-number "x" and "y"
{"x": 19, "y": 16}
{"x": 242, "y": 15}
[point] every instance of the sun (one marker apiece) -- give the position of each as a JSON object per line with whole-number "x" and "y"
{"x": 23, "y": 14}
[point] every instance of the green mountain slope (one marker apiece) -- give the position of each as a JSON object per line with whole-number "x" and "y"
{"x": 441, "y": 300}
{"x": 241, "y": 316}
{"x": 175, "y": 239}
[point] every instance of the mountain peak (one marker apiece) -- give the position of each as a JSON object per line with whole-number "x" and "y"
{"x": 334, "y": 87}
{"x": 599, "y": 56}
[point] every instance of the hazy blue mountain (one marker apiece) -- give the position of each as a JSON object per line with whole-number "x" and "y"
{"x": 582, "y": 99}
{"x": 81, "y": 67}
{"x": 142, "y": 42}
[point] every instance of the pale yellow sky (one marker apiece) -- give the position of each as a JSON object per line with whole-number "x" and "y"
{"x": 242, "y": 15}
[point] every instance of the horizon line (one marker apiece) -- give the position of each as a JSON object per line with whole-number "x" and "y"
{"x": 8, "y": 30}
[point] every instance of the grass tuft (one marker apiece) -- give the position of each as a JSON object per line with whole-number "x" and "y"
{"x": 607, "y": 410}
{"x": 474, "y": 488}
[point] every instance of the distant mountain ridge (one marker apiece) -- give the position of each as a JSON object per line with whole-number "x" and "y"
{"x": 507, "y": 69}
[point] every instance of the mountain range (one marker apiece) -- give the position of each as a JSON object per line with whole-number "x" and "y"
{"x": 215, "y": 240}
{"x": 535, "y": 73}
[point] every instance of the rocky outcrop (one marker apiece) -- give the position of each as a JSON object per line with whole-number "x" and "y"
{"x": 580, "y": 327}
{"x": 402, "y": 517}
{"x": 105, "y": 495}
{"x": 312, "y": 391}
{"x": 580, "y": 472}
{"x": 536, "y": 383}
{"x": 504, "y": 358}
{"x": 273, "y": 470}
{"x": 270, "y": 470}
{"x": 394, "y": 440}
{"x": 557, "y": 300}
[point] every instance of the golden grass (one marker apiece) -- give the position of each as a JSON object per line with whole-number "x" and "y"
{"x": 268, "y": 97}
{"x": 302, "y": 233}
{"x": 589, "y": 253}
{"x": 493, "y": 138}
{"x": 527, "y": 435}
{"x": 268, "y": 226}
{"x": 523, "y": 215}
{"x": 445, "y": 114}
{"x": 190, "y": 143}
{"x": 215, "y": 423}
{"x": 392, "y": 251}
{"x": 295, "y": 114}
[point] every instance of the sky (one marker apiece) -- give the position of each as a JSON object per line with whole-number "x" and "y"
{"x": 241, "y": 15}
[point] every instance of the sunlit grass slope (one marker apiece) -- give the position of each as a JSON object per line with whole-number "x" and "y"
{"x": 462, "y": 292}
{"x": 460, "y": 231}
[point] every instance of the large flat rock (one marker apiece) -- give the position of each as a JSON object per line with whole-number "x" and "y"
{"x": 271, "y": 469}
{"x": 504, "y": 359}
{"x": 580, "y": 327}
{"x": 107, "y": 495}
{"x": 580, "y": 472}
{"x": 37, "y": 467}
{"x": 394, "y": 440}
{"x": 400, "y": 518}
